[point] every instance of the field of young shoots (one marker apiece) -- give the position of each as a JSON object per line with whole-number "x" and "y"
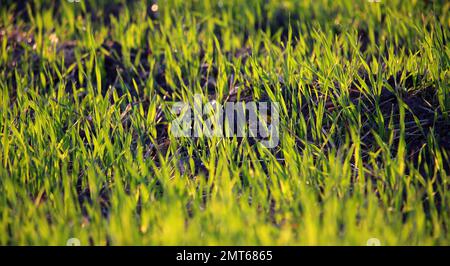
{"x": 86, "y": 149}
